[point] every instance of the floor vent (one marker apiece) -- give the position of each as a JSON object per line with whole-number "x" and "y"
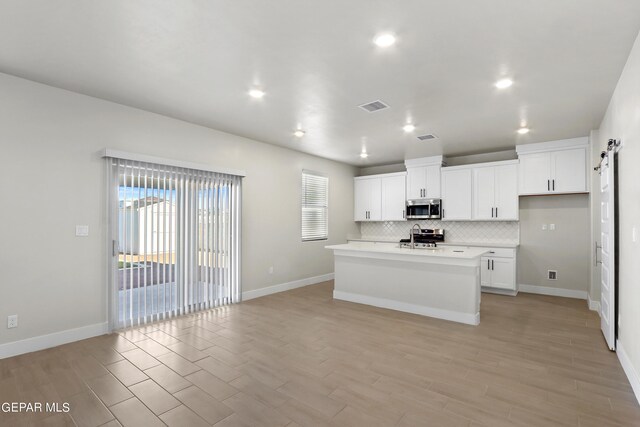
{"x": 374, "y": 106}
{"x": 427, "y": 137}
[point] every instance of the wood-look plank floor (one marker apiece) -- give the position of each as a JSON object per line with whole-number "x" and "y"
{"x": 300, "y": 358}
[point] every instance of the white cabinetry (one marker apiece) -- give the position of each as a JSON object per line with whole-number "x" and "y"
{"x": 553, "y": 167}
{"x": 380, "y": 197}
{"x": 456, "y": 193}
{"x": 423, "y": 177}
{"x": 498, "y": 271}
{"x": 495, "y": 192}
{"x": 393, "y": 197}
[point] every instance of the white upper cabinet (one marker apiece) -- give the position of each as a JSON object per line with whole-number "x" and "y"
{"x": 457, "y": 193}
{"x": 368, "y": 198}
{"x": 423, "y": 177}
{"x": 423, "y": 182}
{"x": 393, "y": 198}
{"x": 569, "y": 170}
{"x": 380, "y": 197}
{"x": 554, "y": 167}
{"x": 495, "y": 192}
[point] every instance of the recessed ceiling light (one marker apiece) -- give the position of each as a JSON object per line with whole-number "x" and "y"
{"x": 299, "y": 133}
{"x": 504, "y": 83}
{"x": 409, "y": 127}
{"x": 523, "y": 131}
{"x": 384, "y": 40}
{"x": 256, "y": 93}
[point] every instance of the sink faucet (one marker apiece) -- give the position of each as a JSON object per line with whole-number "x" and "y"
{"x": 413, "y": 243}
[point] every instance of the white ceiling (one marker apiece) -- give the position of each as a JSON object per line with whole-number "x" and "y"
{"x": 196, "y": 60}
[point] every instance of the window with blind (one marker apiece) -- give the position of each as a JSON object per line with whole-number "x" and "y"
{"x": 315, "y": 206}
{"x": 175, "y": 240}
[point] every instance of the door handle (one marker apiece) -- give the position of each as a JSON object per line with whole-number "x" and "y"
{"x": 595, "y": 255}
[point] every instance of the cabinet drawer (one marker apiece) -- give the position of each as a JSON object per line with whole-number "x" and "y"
{"x": 500, "y": 252}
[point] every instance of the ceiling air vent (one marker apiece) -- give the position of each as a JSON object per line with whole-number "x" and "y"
{"x": 374, "y": 106}
{"x": 427, "y": 137}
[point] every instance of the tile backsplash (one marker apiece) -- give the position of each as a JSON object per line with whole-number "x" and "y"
{"x": 455, "y": 231}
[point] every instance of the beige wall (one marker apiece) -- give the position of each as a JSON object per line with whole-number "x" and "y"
{"x": 565, "y": 249}
{"x": 53, "y": 178}
{"x": 622, "y": 121}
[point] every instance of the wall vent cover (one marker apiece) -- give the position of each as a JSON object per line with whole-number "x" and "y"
{"x": 552, "y": 275}
{"x": 374, "y": 106}
{"x": 427, "y": 137}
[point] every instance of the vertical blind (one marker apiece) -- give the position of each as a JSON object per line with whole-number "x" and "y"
{"x": 315, "y": 206}
{"x": 175, "y": 240}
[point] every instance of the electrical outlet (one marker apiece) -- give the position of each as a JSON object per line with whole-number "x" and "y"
{"x": 82, "y": 230}
{"x": 552, "y": 227}
{"x": 12, "y": 321}
{"x": 552, "y": 275}
{"x": 271, "y": 270}
{"x": 544, "y": 226}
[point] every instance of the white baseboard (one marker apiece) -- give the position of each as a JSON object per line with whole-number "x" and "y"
{"x": 52, "y": 340}
{"x": 594, "y": 305}
{"x": 469, "y": 319}
{"x": 286, "y": 286}
{"x": 629, "y": 369}
{"x": 556, "y": 292}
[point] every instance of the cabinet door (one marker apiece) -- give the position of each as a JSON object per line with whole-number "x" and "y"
{"x": 568, "y": 171}
{"x": 506, "y": 193}
{"x": 456, "y": 194}
{"x": 361, "y": 199}
{"x": 375, "y": 199}
{"x": 432, "y": 179}
{"x": 416, "y": 182}
{"x": 503, "y": 273}
{"x": 485, "y": 271}
{"x": 483, "y": 193}
{"x": 535, "y": 173}
{"x": 393, "y": 198}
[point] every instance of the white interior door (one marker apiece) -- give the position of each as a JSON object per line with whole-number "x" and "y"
{"x": 607, "y": 236}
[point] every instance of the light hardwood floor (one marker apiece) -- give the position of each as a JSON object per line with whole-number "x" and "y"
{"x": 301, "y": 358}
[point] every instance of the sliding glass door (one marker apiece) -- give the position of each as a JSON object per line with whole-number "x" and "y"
{"x": 174, "y": 240}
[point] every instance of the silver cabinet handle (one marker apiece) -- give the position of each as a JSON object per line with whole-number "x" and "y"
{"x": 488, "y": 264}
{"x": 496, "y": 212}
{"x": 402, "y": 214}
{"x": 548, "y": 186}
{"x": 553, "y": 185}
{"x": 492, "y": 264}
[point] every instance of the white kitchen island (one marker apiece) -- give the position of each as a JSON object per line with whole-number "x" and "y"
{"x": 442, "y": 282}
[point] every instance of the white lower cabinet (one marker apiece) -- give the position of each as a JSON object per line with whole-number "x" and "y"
{"x": 498, "y": 270}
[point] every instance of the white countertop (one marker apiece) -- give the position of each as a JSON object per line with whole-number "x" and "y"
{"x": 441, "y": 252}
{"x": 486, "y": 244}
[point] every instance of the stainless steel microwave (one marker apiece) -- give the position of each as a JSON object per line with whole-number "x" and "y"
{"x": 423, "y": 209}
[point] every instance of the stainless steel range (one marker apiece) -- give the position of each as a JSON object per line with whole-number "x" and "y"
{"x": 424, "y": 238}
